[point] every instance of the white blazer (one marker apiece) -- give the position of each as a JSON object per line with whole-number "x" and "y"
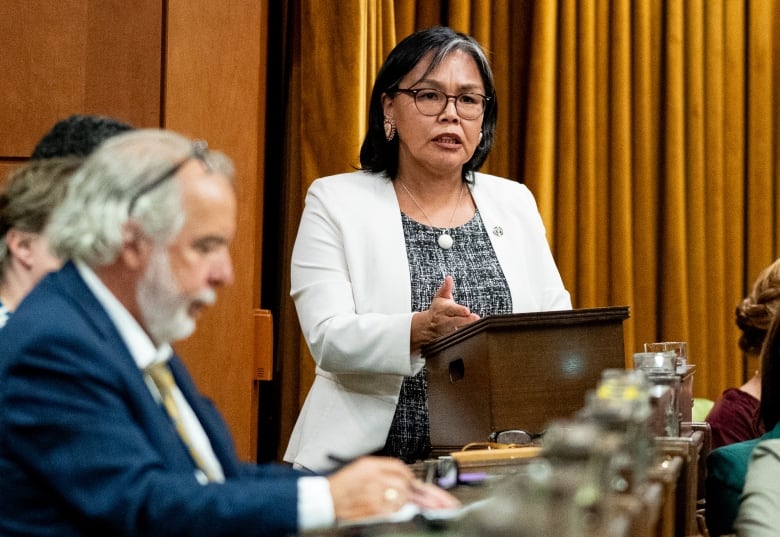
{"x": 352, "y": 291}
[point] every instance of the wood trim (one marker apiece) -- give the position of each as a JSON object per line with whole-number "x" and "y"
{"x": 264, "y": 345}
{"x": 215, "y": 71}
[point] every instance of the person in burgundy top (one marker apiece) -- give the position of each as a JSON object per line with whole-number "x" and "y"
{"x": 734, "y": 417}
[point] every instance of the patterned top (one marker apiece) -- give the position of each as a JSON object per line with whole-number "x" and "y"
{"x": 479, "y": 284}
{"x": 5, "y": 313}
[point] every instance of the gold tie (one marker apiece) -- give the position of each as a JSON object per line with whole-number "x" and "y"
{"x": 163, "y": 379}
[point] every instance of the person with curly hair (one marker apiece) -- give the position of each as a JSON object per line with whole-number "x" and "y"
{"x": 759, "y": 496}
{"x": 734, "y": 417}
{"x": 77, "y": 136}
{"x": 748, "y": 416}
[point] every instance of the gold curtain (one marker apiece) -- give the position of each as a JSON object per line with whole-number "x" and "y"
{"x": 651, "y": 145}
{"x": 647, "y": 131}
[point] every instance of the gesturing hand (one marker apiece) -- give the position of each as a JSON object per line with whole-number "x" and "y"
{"x": 442, "y": 317}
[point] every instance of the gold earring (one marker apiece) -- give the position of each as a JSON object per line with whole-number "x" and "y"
{"x": 389, "y": 128}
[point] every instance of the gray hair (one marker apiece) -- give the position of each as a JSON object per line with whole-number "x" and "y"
{"x": 127, "y": 178}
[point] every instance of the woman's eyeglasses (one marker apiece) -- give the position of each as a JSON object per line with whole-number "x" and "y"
{"x": 432, "y": 102}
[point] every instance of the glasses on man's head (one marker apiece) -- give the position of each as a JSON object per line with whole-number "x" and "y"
{"x": 432, "y": 102}
{"x": 199, "y": 152}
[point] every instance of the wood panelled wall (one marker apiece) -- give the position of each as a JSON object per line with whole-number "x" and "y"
{"x": 76, "y": 56}
{"x": 215, "y": 77}
{"x": 194, "y": 66}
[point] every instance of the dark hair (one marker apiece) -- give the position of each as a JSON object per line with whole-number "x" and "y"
{"x": 770, "y": 376}
{"x": 379, "y": 155}
{"x": 78, "y": 136}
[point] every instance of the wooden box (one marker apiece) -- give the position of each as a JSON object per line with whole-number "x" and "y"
{"x": 518, "y": 371}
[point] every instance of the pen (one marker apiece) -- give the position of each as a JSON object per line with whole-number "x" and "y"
{"x": 340, "y": 461}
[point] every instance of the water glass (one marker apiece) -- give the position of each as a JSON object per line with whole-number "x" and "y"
{"x": 656, "y": 361}
{"x": 680, "y": 348}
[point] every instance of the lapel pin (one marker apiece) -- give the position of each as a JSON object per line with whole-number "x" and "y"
{"x": 498, "y": 231}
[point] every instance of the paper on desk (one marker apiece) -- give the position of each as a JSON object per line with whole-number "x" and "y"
{"x": 411, "y": 510}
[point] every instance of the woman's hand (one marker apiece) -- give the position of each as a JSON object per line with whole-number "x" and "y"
{"x": 443, "y": 317}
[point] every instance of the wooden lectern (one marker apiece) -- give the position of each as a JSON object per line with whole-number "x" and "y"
{"x": 518, "y": 371}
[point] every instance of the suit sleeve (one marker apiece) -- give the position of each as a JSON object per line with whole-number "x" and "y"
{"x": 74, "y": 423}
{"x": 350, "y": 280}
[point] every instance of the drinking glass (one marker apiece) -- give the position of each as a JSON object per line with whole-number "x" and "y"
{"x": 679, "y": 347}
{"x": 656, "y": 361}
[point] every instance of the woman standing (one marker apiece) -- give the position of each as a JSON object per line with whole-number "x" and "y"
{"x": 409, "y": 249}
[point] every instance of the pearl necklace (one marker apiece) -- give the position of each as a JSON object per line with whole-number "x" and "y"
{"x": 445, "y": 239}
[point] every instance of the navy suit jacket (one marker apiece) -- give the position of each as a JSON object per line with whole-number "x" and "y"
{"x": 86, "y": 450}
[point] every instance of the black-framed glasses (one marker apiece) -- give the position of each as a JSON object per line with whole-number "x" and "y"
{"x": 432, "y": 102}
{"x": 199, "y": 152}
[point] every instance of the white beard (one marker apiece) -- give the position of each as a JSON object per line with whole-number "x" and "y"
{"x": 164, "y": 309}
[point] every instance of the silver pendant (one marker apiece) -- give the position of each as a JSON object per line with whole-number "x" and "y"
{"x": 445, "y": 241}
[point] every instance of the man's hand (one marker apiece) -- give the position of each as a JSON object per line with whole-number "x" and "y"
{"x": 377, "y": 486}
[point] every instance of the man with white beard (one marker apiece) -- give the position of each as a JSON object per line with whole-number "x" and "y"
{"x": 102, "y": 431}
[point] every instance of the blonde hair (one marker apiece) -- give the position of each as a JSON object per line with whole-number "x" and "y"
{"x": 29, "y": 195}
{"x": 755, "y": 313}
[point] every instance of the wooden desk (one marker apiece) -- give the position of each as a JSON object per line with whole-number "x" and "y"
{"x": 665, "y": 505}
{"x": 690, "y": 450}
{"x": 649, "y": 511}
{"x": 644, "y": 510}
{"x": 666, "y": 474}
